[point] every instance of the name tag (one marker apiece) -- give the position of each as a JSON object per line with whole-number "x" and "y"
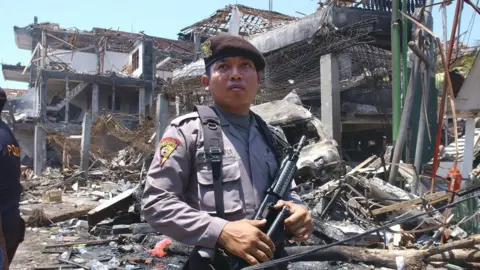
{"x": 228, "y": 154}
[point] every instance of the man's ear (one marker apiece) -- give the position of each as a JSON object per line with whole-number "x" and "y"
{"x": 205, "y": 81}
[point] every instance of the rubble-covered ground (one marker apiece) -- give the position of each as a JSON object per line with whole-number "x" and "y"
{"x": 96, "y": 224}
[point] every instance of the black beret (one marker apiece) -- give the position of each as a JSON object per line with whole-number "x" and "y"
{"x": 225, "y": 45}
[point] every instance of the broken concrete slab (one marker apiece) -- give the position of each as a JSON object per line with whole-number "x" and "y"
{"x": 296, "y": 31}
{"x": 109, "y": 208}
{"x": 320, "y": 155}
{"x": 121, "y": 229}
{"x": 339, "y": 230}
{"x": 142, "y": 228}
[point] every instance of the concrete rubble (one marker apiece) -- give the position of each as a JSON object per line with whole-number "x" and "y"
{"x": 96, "y": 223}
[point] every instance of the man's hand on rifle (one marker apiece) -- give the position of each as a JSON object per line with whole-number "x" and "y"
{"x": 244, "y": 239}
{"x": 299, "y": 223}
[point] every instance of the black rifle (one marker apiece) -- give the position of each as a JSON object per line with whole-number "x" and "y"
{"x": 275, "y": 217}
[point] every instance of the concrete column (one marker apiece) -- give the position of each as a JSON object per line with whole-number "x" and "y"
{"x": 197, "y": 45}
{"x": 161, "y": 116}
{"x": 65, "y": 155}
{"x": 40, "y": 137}
{"x": 85, "y": 144}
{"x": 177, "y": 105}
{"x": 150, "y": 100}
{"x": 184, "y": 100}
{"x": 467, "y": 165}
{"x": 95, "y": 100}
{"x": 113, "y": 98}
{"x": 330, "y": 94}
{"x": 141, "y": 104}
{"x": 40, "y": 150}
{"x": 67, "y": 99}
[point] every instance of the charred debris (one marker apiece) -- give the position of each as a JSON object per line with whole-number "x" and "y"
{"x": 96, "y": 223}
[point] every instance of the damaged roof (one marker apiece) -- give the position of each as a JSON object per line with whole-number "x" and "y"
{"x": 118, "y": 41}
{"x": 253, "y": 21}
{"x": 13, "y": 93}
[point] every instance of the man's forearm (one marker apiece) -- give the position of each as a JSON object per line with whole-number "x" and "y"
{"x": 176, "y": 219}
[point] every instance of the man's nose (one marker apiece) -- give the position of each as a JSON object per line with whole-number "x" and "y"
{"x": 235, "y": 75}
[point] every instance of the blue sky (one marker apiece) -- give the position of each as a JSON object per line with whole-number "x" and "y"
{"x": 155, "y": 17}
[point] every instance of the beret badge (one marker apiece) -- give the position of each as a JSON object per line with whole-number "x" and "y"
{"x": 206, "y": 48}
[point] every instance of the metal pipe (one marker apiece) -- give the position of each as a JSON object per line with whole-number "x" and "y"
{"x": 406, "y": 113}
{"x": 477, "y": 9}
{"x": 405, "y": 68}
{"x": 418, "y": 52}
{"x": 396, "y": 69}
{"x": 404, "y": 51}
{"x": 425, "y": 96}
{"x": 444, "y": 96}
{"x": 421, "y": 131}
{"x": 445, "y": 44}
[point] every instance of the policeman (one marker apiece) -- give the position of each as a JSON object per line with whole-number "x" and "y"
{"x": 179, "y": 199}
{"x": 12, "y": 226}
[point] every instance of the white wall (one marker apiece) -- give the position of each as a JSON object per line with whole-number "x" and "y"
{"x": 164, "y": 74}
{"x": 468, "y": 98}
{"x": 87, "y": 62}
{"x": 115, "y": 61}
{"x": 79, "y": 61}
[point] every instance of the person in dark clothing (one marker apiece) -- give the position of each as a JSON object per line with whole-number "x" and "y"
{"x": 12, "y": 228}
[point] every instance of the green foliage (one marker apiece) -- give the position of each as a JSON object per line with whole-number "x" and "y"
{"x": 463, "y": 64}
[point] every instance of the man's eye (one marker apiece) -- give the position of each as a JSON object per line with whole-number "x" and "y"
{"x": 223, "y": 66}
{"x": 246, "y": 65}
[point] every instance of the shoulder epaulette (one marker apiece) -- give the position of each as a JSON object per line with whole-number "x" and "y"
{"x": 179, "y": 121}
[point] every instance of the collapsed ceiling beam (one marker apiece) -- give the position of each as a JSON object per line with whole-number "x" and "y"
{"x": 174, "y": 54}
{"x": 92, "y": 78}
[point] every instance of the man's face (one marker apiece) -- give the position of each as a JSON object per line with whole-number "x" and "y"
{"x": 233, "y": 82}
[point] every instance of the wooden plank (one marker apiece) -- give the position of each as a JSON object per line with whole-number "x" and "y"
{"x": 431, "y": 199}
{"x": 54, "y": 215}
{"x": 363, "y": 164}
{"x": 87, "y": 243}
{"x": 110, "y": 207}
{"x": 54, "y": 266}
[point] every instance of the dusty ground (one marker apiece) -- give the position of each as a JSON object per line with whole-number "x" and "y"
{"x": 29, "y": 254}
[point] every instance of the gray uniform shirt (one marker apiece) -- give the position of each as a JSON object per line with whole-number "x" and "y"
{"x": 178, "y": 199}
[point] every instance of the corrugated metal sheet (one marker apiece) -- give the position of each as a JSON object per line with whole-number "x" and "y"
{"x": 450, "y": 151}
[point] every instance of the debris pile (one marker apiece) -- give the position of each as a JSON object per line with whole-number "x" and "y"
{"x": 113, "y": 235}
{"x": 361, "y": 200}
{"x": 95, "y": 222}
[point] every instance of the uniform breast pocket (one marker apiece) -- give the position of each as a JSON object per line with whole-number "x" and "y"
{"x": 231, "y": 186}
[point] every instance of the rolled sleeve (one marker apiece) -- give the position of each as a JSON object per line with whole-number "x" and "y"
{"x": 163, "y": 203}
{"x": 294, "y": 197}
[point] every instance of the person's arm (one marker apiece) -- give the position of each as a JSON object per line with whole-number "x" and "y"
{"x": 162, "y": 203}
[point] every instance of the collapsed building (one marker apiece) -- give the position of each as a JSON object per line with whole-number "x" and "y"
{"x": 122, "y": 74}
{"x": 72, "y": 71}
